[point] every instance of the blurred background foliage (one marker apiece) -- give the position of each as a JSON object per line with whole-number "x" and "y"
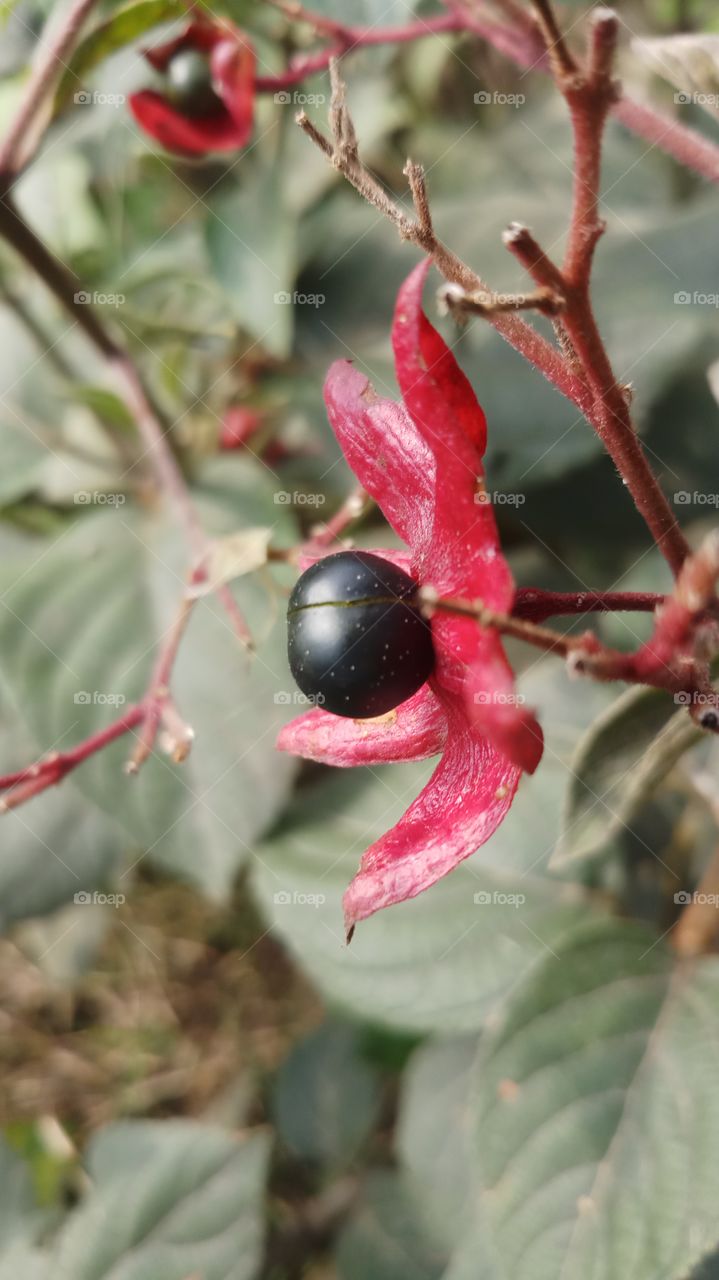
{"x": 404, "y": 1110}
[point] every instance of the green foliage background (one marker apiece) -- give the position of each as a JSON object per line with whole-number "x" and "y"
{"x": 509, "y": 1078}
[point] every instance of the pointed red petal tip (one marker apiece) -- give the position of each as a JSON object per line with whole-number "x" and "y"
{"x": 461, "y": 806}
{"x": 433, "y": 386}
{"x": 415, "y": 730}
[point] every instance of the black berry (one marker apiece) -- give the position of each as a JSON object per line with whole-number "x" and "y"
{"x": 190, "y": 83}
{"x": 356, "y": 643}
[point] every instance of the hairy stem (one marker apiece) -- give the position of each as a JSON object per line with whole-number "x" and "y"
{"x": 536, "y": 605}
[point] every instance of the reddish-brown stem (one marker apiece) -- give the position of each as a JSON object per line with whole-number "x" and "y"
{"x": 612, "y": 419}
{"x": 345, "y": 39}
{"x": 536, "y": 606}
{"x": 532, "y": 606}
{"x": 685, "y": 145}
{"x": 354, "y": 506}
{"x": 152, "y": 430}
{"x": 586, "y": 655}
{"x": 158, "y": 694}
{"x": 522, "y": 44}
{"x": 25, "y": 783}
{"x": 520, "y": 335}
{"x": 14, "y": 152}
{"x": 506, "y": 624}
{"x": 589, "y": 93}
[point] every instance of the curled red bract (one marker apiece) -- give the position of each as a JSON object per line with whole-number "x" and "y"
{"x": 421, "y": 461}
{"x": 232, "y": 67}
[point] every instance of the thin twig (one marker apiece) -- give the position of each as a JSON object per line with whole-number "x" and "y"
{"x": 457, "y": 302}
{"x": 506, "y": 624}
{"x": 352, "y": 509}
{"x": 28, "y": 782}
{"x": 587, "y": 656}
{"x": 158, "y": 699}
{"x": 26, "y": 127}
{"x": 520, "y": 41}
{"x": 590, "y": 92}
{"x": 536, "y": 605}
{"x": 419, "y": 231}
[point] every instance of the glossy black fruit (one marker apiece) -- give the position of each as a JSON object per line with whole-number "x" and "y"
{"x": 357, "y": 645}
{"x": 189, "y": 82}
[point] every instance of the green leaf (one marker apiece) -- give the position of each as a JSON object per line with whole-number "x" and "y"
{"x": 24, "y": 1260}
{"x": 387, "y": 1238}
{"x": 6, "y": 9}
{"x": 327, "y": 1096}
{"x": 56, "y": 199}
{"x": 168, "y": 1200}
{"x": 69, "y": 669}
{"x": 18, "y": 1208}
{"x": 125, "y": 25}
{"x": 434, "y": 1136}
{"x": 597, "y": 1117}
{"x": 23, "y": 456}
{"x": 618, "y": 765}
{"x": 250, "y": 241}
{"x": 58, "y": 845}
{"x": 108, "y": 406}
